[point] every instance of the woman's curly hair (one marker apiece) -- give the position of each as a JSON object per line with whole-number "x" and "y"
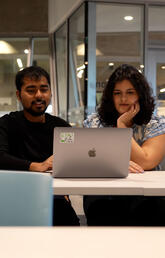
{"x": 107, "y": 111}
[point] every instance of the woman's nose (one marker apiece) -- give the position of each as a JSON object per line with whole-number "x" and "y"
{"x": 123, "y": 97}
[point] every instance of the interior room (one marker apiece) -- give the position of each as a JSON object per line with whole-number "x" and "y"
{"x": 80, "y": 44}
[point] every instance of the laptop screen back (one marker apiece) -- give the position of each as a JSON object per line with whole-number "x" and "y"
{"x": 91, "y": 152}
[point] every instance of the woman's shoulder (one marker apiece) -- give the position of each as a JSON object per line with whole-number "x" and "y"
{"x": 156, "y": 122}
{"x": 155, "y": 127}
{"x": 92, "y": 121}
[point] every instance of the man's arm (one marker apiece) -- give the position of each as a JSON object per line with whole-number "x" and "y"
{"x": 10, "y": 162}
{"x": 7, "y": 160}
{"x": 42, "y": 166}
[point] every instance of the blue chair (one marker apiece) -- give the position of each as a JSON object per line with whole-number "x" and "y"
{"x": 26, "y": 199}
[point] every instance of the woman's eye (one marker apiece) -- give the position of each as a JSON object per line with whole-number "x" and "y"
{"x": 116, "y": 93}
{"x": 130, "y": 92}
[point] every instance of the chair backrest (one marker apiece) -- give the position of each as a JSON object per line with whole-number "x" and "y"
{"x": 26, "y": 199}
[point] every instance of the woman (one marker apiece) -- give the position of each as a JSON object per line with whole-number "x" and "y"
{"x": 127, "y": 102}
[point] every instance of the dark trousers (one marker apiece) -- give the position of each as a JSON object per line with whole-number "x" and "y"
{"x": 63, "y": 213}
{"x": 124, "y": 210}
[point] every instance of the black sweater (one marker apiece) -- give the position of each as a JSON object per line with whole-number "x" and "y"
{"x": 23, "y": 142}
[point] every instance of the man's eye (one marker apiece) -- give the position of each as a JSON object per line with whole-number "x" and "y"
{"x": 44, "y": 90}
{"x": 30, "y": 91}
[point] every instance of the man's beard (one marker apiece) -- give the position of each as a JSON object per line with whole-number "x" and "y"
{"x": 34, "y": 112}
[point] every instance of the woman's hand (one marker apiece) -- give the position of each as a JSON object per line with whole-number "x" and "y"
{"x": 135, "y": 168}
{"x": 125, "y": 120}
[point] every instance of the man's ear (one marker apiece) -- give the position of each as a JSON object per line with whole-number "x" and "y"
{"x": 18, "y": 94}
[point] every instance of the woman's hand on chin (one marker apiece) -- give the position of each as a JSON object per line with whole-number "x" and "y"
{"x": 135, "y": 168}
{"x": 125, "y": 120}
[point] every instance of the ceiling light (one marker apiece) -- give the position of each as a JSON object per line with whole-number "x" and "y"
{"x": 162, "y": 90}
{"x": 26, "y": 51}
{"x": 111, "y": 64}
{"x": 80, "y": 74}
{"x": 19, "y": 62}
{"x": 163, "y": 67}
{"x": 6, "y": 48}
{"x": 81, "y": 50}
{"x": 142, "y": 66}
{"x": 128, "y": 18}
{"x": 81, "y": 67}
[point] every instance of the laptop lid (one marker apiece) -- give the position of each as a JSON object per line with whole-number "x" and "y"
{"x": 91, "y": 152}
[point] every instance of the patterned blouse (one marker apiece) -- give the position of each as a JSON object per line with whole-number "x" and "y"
{"x": 141, "y": 133}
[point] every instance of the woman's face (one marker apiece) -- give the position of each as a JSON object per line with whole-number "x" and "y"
{"x": 124, "y": 95}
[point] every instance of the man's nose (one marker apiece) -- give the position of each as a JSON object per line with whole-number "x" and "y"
{"x": 38, "y": 93}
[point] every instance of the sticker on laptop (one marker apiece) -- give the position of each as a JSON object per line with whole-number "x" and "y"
{"x": 66, "y": 137}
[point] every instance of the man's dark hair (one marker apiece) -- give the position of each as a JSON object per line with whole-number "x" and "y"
{"x": 32, "y": 72}
{"x": 107, "y": 111}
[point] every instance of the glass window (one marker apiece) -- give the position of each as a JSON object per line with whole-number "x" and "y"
{"x": 156, "y": 54}
{"x": 76, "y": 67}
{"x": 61, "y": 70}
{"x": 41, "y": 53}
{"x": 156, "y": 25}
{"x": 40, "y": 57}
{"x": 13, "y": 58}
{"x": 119, "y": 39}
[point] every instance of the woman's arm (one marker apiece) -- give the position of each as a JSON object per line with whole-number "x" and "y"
{"x": 135, "y": 168}
{"x": 150, "y": 154}
{"x": 152, "y": 151}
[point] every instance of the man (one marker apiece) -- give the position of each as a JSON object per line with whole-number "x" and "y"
{"x": 26, "y": 137}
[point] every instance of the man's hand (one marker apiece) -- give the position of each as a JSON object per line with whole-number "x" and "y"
{"x": 125, "y": 120}
{"x": 135, "y": 168}
{"x": 42, "y": 166}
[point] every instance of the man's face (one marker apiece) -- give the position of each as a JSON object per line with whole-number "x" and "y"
{"x": 35, "y": 95}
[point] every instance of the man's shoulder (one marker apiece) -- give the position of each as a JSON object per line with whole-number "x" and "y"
{"x": 11, "y": 116}
{"x": 57, "y": 121}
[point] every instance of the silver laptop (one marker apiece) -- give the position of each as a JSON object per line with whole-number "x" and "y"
{"x": 91, "y": 152}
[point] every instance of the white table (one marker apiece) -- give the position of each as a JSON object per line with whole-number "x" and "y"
{"x": 150, "y": 183}
{"x": 84, "y": 242}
